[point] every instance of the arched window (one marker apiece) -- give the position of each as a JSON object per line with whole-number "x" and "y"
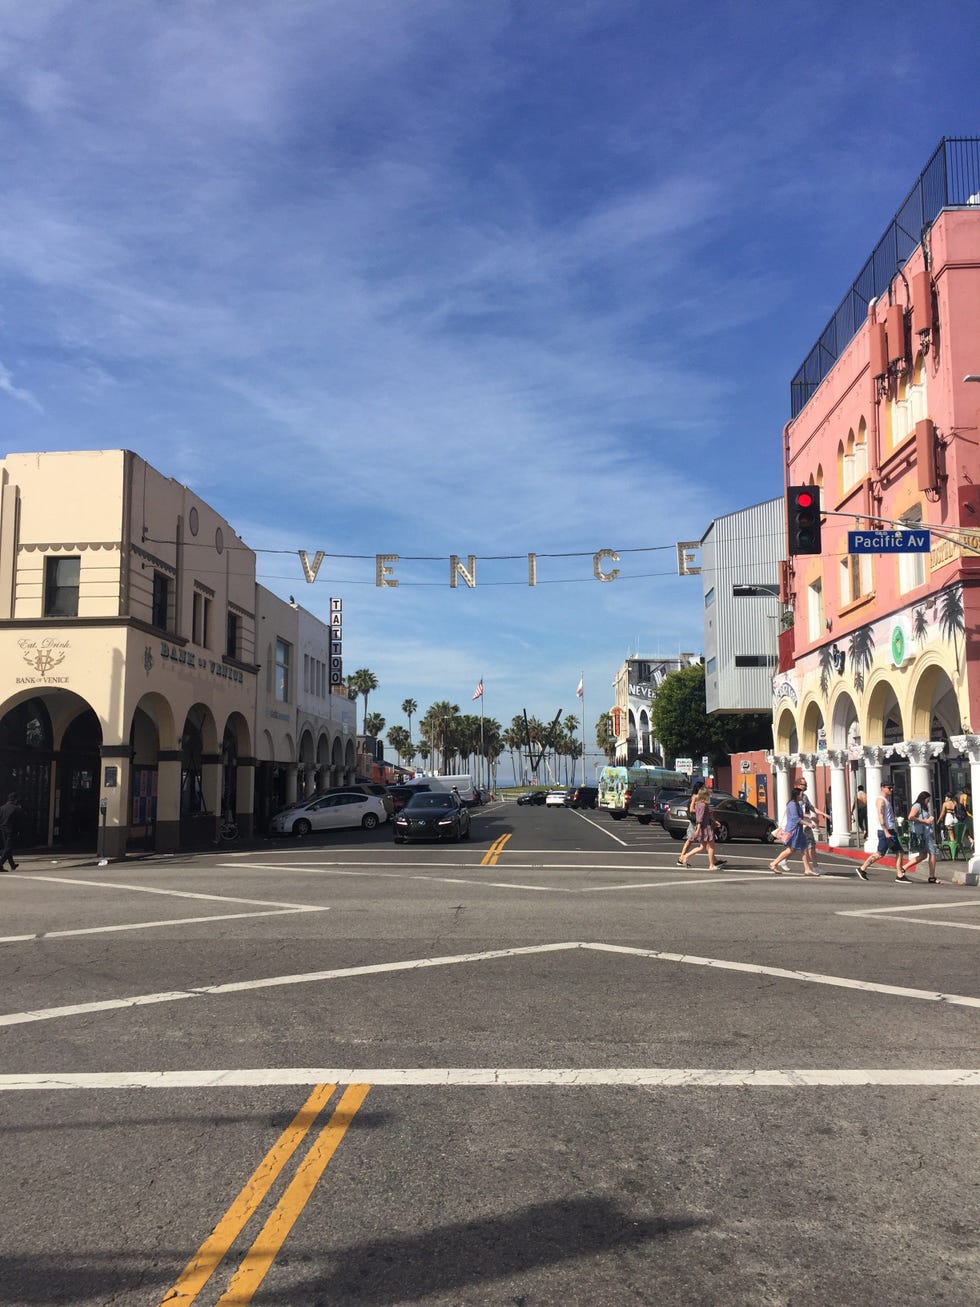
{"x": 861, "y": 451}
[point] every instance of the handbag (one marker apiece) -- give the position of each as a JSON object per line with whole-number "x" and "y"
{"x": 780, "y": 835}
{"x": 916, "y": 843}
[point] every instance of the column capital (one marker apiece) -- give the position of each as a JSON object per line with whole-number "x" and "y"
{"x": 810, "y": 761}
{"x": 968, "y": 744}
{"x": 838, "y": 758}
{"x": 781, "y": 761}
{"x": 875, "y": 754}
{"x": 919, "y": 752}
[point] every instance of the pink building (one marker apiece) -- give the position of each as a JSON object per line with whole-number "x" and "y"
{"x": 879, "y": 675}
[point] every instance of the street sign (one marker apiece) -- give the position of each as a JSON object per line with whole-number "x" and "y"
{"x": 888, "y": 542}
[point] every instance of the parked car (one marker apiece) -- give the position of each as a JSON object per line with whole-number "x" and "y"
{"x": 737, "y": 820}
{"x": 650, "y": 802}
{"x": 400, "y": 794}
{"x": 583, "y": 796}
{"x": 331, "y": 811}
{"x": 556, "y": 798}
{"x": 433, "y": 816}
{"x": 375, "y": 788}
{"x": 532, "y": 796}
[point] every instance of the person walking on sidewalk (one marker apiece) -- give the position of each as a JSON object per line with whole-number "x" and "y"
{"x": 794, "y": 826}
{"x": 887, "y": 838}
{"x": 922, "y": 836}
{"x": 11, "y": 816}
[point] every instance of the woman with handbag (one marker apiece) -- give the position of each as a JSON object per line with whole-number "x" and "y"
{"x": 793, "y": 835}
{"x": 922, "y": 836}
{"x": 705, "y": 828}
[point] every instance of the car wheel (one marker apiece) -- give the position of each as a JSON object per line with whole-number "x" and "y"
{"x": 466, "y": 833}
{"x": 616, "y": 816}
{"x": 644, "y": 821}
{"x": 399, "y": 839}
{"x": 369, "y": 821}
{"x": 674, "y": 835}
{"x": 722, "y": 834}
{"x": 301, "y": 827}
{"x": 768, "y": 838}
{"x": 458, "y": 833}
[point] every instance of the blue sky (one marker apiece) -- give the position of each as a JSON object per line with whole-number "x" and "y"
{"x": 430, "y": 278}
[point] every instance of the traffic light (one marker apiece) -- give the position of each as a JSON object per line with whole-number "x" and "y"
{"x": 803, "y": 519}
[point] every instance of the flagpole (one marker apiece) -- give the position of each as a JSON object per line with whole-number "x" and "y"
{"x": 581, "y": 723}
{"x": 482, "y": 757}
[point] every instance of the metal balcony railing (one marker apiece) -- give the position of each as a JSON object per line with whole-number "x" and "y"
{"x": 950, "y": 178}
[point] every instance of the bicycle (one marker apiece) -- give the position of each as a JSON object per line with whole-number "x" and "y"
{"x": 227, "y": 830}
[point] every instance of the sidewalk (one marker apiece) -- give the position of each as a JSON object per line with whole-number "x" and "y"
{"x": 956, "y": 870}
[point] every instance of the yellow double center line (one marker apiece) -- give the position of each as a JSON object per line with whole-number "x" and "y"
{"x": 256, "y": 1262}
{"x": 489, "y": 859}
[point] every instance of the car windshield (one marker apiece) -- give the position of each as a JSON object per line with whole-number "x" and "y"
{"x": 429, "y": 801}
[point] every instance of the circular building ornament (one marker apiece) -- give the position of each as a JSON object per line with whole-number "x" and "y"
{"x": 193, "y": 522}
{"x": 219, "y": 540}
{"x": 898, "y": 646}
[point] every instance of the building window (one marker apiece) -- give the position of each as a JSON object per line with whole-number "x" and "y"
{"x": 709, "y": 598}
{"x": 161, "y": 601}
{"x": 282, "y": 671}
{"x": 711, "y": 666}
{"x": 200, "y": 619}
{"x": 814, "y": 609}
{"x": 911, "y": 567}
{"x": 231, "y": 636}
{"x": 61, "y": 586}
{"x": 755, "y": 660}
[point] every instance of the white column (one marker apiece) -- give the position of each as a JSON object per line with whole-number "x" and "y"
{"x": 919, "y": 754}
{"x": 839, "y": 814}
{"x": 874, "y": 757}
{"x": 291, "y": 789}
{"x": 780, "y": 764}
{"x": 970, "y": 745}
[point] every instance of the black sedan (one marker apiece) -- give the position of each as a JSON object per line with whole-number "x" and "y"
{"x": 532, "y": 796}
{"x": 736, "y": 820}
{"x": 430, "y": 816}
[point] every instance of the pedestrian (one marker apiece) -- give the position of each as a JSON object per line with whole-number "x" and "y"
{"x": 794, "y": 834}
{"x": 11, "y": 817}
{"x": 922, "y": 836}
{"x": 691, "y": 834}
{"x": 887, "y": 837}
{"x": 946, "y": 816}
{"x": 861, "y": 811}
{"x": 705, "y": 831}
{"x": 811, "y": 861}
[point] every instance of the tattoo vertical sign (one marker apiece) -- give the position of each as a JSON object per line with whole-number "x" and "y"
{"x": 336, "y": 643}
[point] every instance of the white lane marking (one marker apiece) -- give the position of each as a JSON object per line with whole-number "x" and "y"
{"x": 419, "y": 964}
{"x": 153, "y": 925}
{"x": 166, "y": 893}
{"x": 659, "y": 884}
{"x": 734, "y": 876}
{"x": 604, "y": 829}
{"x": 269, "y": 982}
{"x": 811, "y": 977}
{"x": 503, "y": 1077}
{"x": 948, "y": 906}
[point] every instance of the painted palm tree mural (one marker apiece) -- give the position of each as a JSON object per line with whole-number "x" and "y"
{"x": 860, "y": 654}
{"x": 826, "y": 670}
{"x": 920, "y": 625}
{"x": 952, "y": 622}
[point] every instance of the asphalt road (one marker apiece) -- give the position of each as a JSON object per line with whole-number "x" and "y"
{"x": 544, "y": 1066}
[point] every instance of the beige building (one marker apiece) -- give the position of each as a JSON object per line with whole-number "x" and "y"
{"x": 147, "y": 685}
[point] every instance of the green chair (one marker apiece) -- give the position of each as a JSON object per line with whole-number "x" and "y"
{"x": 956, "y": 841}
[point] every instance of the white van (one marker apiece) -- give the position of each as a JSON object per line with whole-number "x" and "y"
{"x": 463, "y": 783}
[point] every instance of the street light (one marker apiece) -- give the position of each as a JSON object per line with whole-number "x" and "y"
{"x": 748, "y": 591}
{"x": 972, "y": 376}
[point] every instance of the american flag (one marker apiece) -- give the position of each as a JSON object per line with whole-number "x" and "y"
{"x": 478, "y": 692}
{"x": 580, "y": 691}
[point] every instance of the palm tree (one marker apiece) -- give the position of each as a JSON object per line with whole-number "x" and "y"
{"x": 437, "y": 725}
{"x": 409, "y": 708}
{"x": 374, "y": 724}
{"x": 401, "y": 742}
{"x": 605, "y": 736}
{"x": 363, "y": 682}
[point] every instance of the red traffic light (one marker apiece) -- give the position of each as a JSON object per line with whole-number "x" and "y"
{"x": 804, "y": 499}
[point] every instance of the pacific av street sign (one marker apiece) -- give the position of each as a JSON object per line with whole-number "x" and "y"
{"x": 888, "y": 542}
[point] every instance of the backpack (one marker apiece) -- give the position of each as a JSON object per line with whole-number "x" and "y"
{"x": 960, "y": 812}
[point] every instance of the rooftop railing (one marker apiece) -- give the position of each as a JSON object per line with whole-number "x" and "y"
{"x": 950, "y": 178}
